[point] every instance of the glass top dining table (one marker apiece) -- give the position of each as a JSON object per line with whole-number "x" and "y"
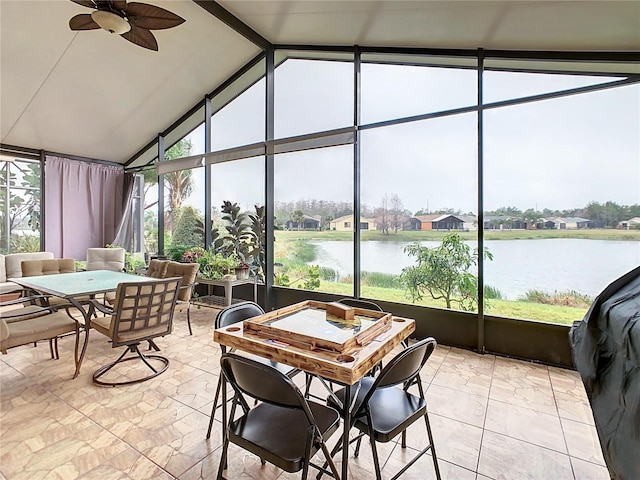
{"x": 69, "y": 285}
{"x": 72, "y": 286}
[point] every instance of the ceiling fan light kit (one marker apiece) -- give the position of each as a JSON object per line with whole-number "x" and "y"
{"x": 111, "y": 22}
{"x": 132, "y": 21}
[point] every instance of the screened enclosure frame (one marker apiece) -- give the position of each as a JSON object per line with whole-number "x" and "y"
{"x": 624, "y": 66}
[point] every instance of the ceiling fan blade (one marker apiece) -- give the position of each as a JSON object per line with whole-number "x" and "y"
{"x": 120, "y": 4}
{"x": 85, "y": 3}
{"x": 83, "y": 22}
{"x": 151, "y": 17}
{"x": 142, "y": 37}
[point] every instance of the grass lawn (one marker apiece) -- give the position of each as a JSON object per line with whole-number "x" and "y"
{"x": 501, "y": 308}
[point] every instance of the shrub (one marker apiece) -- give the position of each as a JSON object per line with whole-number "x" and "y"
{"x": 568, "y": 298}
{"x": 379, "y": 279}
{"x": 492, "y": 293}
{"x": 329, "y": 274}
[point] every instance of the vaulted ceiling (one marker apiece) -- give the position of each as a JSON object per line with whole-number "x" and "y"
{"x": 91, "y": 94}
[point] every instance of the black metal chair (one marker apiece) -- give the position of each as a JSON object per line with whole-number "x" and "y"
{"x": 234, "y": 314}
{"x": 283, "y": 429}
{"x": 384, "y": 408}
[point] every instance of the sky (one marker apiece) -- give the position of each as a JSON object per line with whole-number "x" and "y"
{"x": 559, "y": 154}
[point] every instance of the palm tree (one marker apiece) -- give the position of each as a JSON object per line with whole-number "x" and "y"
{"x": 298, "y": 218}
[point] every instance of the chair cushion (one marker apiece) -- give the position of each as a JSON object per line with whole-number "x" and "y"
{"x": 36, "y": 329}
{"x": 23, "y": 313}
{"x": 188, "y": 272}
{"x": 3, "y": 270}
{"x": 102, "y": 324}
{"x": 8, "y": 287}
{"x": 110, "y": 298}
{"x": 13, "y": 262}
{"x": 105, "y": 259}
{"x": 157, "y": 268}
{"x": 53, "y": 266}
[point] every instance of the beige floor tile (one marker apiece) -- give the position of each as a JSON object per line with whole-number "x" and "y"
{"x": 570, "y": 395}
{"x": 525, "y": 424}
{"x": 457, "y": 405}
{"x": 505, "y": 458}
{"x": 582, "y": 441}
{"x": 53, "y": 427}
{"x": 524, "y": 384}
{"x": 589, "y": 471}
{"x": 455, "y": 441}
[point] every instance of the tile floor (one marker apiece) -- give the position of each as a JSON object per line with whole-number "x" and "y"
{"x": 493, "y": 418}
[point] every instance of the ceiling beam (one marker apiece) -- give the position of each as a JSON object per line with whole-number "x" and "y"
{"x": 226, "y": 17}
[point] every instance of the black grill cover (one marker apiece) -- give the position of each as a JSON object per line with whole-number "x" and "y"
{"x": 606, "y": 352}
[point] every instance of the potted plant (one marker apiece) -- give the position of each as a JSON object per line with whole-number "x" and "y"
{"x": 242, "y": 270}
{"x": 214, "y": 266}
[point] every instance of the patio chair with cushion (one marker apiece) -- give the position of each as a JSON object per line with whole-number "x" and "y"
{"x": 282, "y": 428}
{"x": 188, "y": 273}
{"x": 52, "y": 266}
{"x": 157, "y": 268}
{"x": 384, "y": 408}
{"x": 105, "y": 259}
{"x": 26, "y": 325}
{"x": 10, "y": 267}
{"x": 142, "y": 312}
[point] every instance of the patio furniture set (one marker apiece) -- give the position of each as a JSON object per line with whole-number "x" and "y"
{"x": 341, "y": 345}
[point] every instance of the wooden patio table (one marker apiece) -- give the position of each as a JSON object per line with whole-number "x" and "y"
{"x": 70, "y": 286}
{"x": 344, "y": 368}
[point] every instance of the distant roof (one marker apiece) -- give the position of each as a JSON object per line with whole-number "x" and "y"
{"x": 350, "y": 217}
{"x": 438, "y": 217}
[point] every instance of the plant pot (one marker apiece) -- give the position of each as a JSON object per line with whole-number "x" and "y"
{"x": 242, "y": 273}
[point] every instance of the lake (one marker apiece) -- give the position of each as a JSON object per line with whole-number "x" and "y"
{"x": 586, "y": 266}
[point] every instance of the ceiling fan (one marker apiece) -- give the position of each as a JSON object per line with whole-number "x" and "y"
{"x": 132, "y": 21}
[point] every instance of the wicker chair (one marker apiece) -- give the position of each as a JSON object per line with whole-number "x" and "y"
{"x": 142, "y": 311}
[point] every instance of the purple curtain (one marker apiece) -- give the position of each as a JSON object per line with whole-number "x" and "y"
{"x": 83, "y": 205}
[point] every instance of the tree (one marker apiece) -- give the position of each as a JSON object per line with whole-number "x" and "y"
{"x": 24, "y": 202}
{"x": 443, "y": 272}
{"x": 187, "y": 232}
{"x": 396, "y": 211}
{"x": 382, "y": 215}
{"x": 178, "y": 185}
{"x": 298, "y": 218}
{"x": 532, "y": 218}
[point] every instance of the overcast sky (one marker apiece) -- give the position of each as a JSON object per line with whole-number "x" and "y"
{"x": 558, "y": 154}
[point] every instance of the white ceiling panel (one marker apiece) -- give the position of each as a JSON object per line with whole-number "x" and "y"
{"x": 505, "y": 24}
{"x": 94, "y": 95}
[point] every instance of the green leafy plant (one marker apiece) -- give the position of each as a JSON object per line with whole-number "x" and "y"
{"x": 443, "y": 272}
{"x": 240, "y": 238}
{"x": 216, "y": 265}
{"x": 175, "y": 251}
{"x": 307, "y": 277}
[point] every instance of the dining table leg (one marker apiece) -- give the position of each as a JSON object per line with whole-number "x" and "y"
{"x": 87, "y": 326}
